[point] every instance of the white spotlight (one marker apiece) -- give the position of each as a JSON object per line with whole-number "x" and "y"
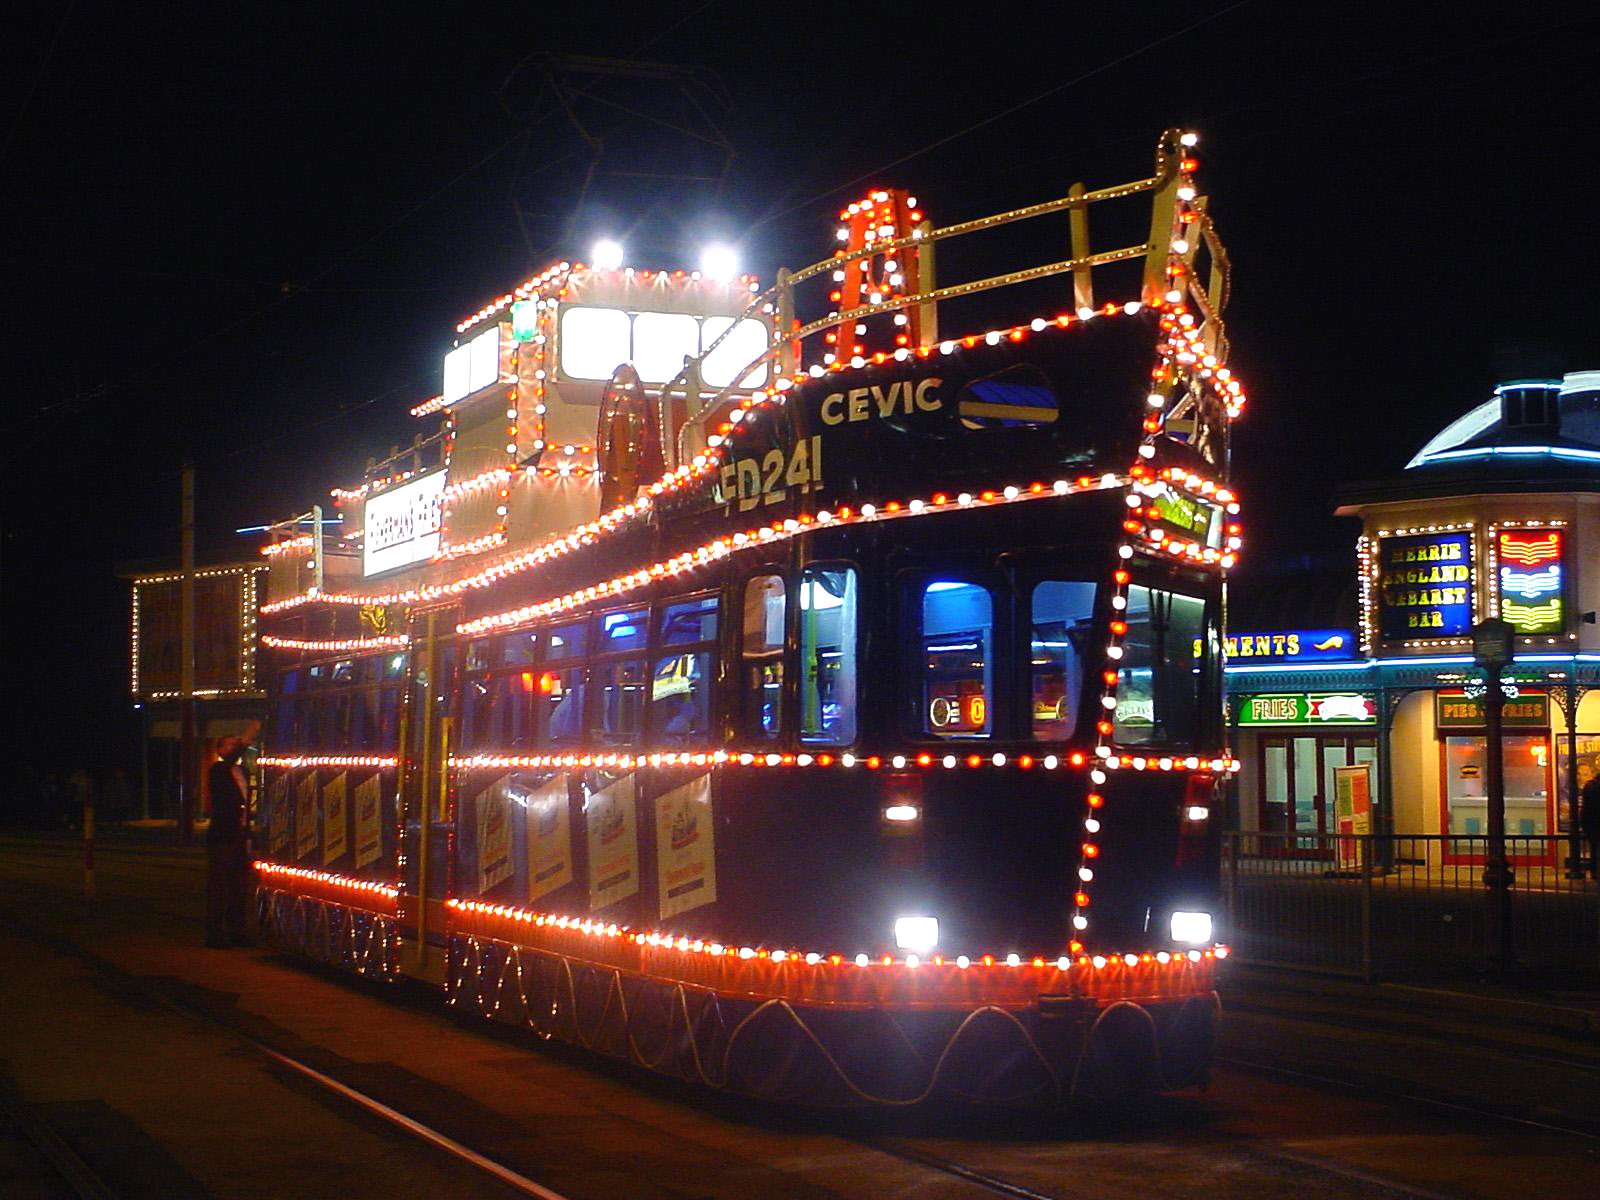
{"x": 719, "y": 262}
{"x": 607, "y": 255}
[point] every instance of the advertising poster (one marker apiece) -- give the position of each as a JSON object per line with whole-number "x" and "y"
{"x": 613, "y": 843}
{"x": 305, "y": 816}
{"x": 686, "y": 865}
{"x": 1352, "y": 800}
{"x": 494, "y": 833}
{"x": 280, "y": 820}
{"x": 549, "y": 838}
{"x": 335, "y": 817}
{"x": 369, "y": 820}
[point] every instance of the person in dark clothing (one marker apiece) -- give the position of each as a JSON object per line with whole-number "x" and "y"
{"x": 227, "y": 849}
{"x": 1589, "y": 816}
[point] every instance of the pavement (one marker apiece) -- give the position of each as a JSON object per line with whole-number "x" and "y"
{"x": 124, "y": 1039}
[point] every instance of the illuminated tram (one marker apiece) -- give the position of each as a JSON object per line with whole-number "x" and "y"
{"x": 824, "y": 710}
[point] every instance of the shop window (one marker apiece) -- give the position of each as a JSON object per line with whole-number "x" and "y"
{"x": 761, "y": 651}
{"x": 957, "y": 659}
{"x": 1526, "y": 765}
{"x": 1063, "y": 614}
{"x": 828, "y": 655}
{"x": 1163, "y": 678}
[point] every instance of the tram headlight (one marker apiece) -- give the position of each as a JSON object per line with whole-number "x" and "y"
{"x": 916, "y": 933}
{"x": 719, "y": 262}
{"x": 607, "y": 255}
{"x": 1191, "y": 927}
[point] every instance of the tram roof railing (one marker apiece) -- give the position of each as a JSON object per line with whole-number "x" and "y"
{"x": 1170, "y": 272}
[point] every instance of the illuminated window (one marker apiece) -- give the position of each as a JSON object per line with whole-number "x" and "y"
{"x": 765, "y": 605}
{"x": 594, "y": 342}
{"x": 744, "y": 345}
{"x": 828, "y": 655}
{"x": 680, "y": 682}
{"x": 661, "y": 341}
{"x": 559, "y": 686}
{"x": 1164, "y": 679}
{"x": 1062, "y": 615}
{"x": 617, "y": 684}
{"x": 957, "y": 659}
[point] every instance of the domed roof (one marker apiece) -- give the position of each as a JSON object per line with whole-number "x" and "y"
{"x": 1554, "y": 419}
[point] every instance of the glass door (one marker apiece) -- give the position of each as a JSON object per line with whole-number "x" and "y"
{"x": 425, "y": 800}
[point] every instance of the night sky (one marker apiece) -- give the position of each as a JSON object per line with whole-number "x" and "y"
{"x": 246, "y": 232}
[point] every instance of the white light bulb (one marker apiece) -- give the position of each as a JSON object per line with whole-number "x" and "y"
{"x": 607, "y": 255}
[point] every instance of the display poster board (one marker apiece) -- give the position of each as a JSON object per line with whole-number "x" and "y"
{"x": 613, "y": 843}
{"x": 1425, "y": 586}
{"x": 369, "y": 820}
{"x": 335, "y": 817}
{"x": 220, "y": 644}
{"x": 402, "y": 524}
{"x": 686, "y": 858}
{"x": 280, "y": 821}
{"x": 1352, "y": 803}
{"x": 494, "y": 833}
{"x": 549, "y": 837}
{"x": 305, "y": 816}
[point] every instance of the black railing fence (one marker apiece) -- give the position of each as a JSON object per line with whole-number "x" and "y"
{"x": 1398, "y": 906}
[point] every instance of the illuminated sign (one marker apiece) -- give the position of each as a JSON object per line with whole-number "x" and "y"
{"x": 472, "y": 367}
{"x": 1290, "y": 645}
{"x": 1530, "y": 580}
{"x": 1425, "y": 586}
{"x": 1192, "y": 517}
{"x": 1316, "y": 708}
{"x": 402, "y": 524}
{"x": 1457, "y": 710}
{"x": 958, "y": 713}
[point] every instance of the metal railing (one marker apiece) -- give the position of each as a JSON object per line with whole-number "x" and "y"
{"x": 1404, "y": 905}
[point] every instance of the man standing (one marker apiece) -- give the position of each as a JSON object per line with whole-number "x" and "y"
{"x": 227, "y": 848}
{"x": 1589, "y": 816}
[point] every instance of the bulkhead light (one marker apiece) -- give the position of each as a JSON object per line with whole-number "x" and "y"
{"x": 1193, "y": 928}
{"x": 919, "y": 933}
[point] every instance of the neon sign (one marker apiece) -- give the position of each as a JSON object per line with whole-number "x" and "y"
{"x": 1530, "y": 579}
{"x": 1425, "y": 586}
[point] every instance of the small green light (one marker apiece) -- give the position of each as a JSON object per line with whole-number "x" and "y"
{"x": 524, "y": 320}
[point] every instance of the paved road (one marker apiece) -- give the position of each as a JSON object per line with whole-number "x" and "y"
{"x": 142, "y": 1054}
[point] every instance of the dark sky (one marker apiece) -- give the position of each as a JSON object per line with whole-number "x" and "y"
{"x": 246, "y": 232}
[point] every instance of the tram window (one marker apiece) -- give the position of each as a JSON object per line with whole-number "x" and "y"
{"x": 479, "y": 655}
{"x": 388, "y": 715}
{"x": 344, "y": 673}
{"x": 1062, "y": 614}
{"x": 560, "y": 702}
{"x": 1161, "y": 680}
{"x": 622, "y": 631}
{"x": 765, "y": 601}
{"x": 283, "y": 717}
{"x": 680, "y": 698}
{"x": 565, "y": 641}
{"x": 828, "y": 655}
{"x": 618, "y": 701}
{"x": 364, "y": 719}
{"x": 479, "y": 700}
{"x": 958, "y": 659}
{"x": 394, "y": 666}
{"x": 519, "y": 648}
{"x": 690, "y": 621}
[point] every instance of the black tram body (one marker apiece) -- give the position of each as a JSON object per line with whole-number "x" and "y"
{"x": 882, "y": 779}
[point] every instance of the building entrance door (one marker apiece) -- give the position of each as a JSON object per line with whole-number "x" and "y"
{"x": 1296, "y": 783}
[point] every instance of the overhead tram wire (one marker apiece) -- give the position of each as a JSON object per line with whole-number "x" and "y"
{"x": 1003, "y": 113}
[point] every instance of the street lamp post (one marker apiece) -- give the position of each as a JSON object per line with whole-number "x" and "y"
{"x": 1492, "y": 646}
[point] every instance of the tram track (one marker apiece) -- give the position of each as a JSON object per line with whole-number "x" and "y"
{"x": 992, "y": 1179}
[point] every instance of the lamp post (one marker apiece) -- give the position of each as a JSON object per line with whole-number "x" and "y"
{"x": 1492, "y": 646}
